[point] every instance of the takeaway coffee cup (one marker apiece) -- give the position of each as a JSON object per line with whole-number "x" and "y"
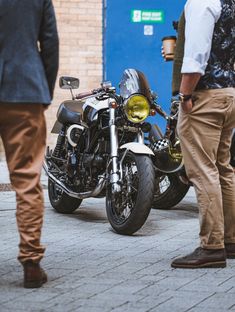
{"x": 168, "y": 45}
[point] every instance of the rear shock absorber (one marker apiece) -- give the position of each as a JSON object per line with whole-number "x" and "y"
{"x": 59, "y": 144}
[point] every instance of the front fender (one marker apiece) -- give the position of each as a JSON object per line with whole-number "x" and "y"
{"x": 137, "y": 148}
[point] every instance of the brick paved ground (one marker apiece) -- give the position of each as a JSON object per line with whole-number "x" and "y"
{"x": 92, "y": 269}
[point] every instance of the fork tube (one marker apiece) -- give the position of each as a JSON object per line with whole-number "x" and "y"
{"x": 114, "y": 150}
{"x": 140, "y": 137}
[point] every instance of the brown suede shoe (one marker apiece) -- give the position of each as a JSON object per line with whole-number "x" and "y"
{"x": 202, "y": 258}
{"x": 230, "y": 250}
{"x": 34, "y": 275}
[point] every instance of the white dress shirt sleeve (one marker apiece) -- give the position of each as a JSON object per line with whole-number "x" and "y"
{"x": 200, "y": 16}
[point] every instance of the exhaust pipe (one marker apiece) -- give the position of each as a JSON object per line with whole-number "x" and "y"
{"x": 100, "y": 185}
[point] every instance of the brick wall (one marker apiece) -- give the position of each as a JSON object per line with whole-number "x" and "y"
{"x": 80, "y": 31}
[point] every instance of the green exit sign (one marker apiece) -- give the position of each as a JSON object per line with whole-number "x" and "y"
{"x": 147, "y": 16}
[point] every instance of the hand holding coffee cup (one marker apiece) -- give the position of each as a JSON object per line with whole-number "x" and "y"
{"x": 168, "y": 47}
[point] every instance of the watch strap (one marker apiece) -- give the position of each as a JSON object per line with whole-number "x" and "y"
{"x": 184, "y": 97}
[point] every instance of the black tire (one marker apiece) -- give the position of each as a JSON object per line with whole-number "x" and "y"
{"x": 60, "y": 201}
{"x": 138, "y": 201}
{"x": 169, "y": 191}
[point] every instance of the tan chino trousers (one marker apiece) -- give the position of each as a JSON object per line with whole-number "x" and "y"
{"x": 205, "y": 134}
{"x": 23, "y": 132}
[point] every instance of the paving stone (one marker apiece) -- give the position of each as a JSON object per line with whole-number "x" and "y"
{"x": 219, "y": 301}
{"x": 93, "y": 269}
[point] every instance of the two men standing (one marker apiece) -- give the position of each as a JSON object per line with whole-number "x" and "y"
{"x": 28, "y": 69}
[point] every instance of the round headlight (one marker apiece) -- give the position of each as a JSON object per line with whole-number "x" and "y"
{"x": 137, "y": 108}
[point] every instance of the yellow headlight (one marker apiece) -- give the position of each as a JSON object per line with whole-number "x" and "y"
{"x": 137, "y": 108}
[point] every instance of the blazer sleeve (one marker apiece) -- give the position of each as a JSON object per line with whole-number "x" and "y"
{"x": 49, "y": 44}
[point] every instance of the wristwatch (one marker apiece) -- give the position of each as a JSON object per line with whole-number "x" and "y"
{"x": 184, "y": 97}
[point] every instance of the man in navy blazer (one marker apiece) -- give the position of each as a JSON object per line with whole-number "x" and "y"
{"x": 28, "y": 69}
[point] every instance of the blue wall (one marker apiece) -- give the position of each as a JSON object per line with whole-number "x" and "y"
{"x": 127, "y": 46}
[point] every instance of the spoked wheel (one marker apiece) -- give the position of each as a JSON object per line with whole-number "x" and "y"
{"x": 169, "y": 191}
{"x": 128, "y": 209}
{"x": 60, "y": 201}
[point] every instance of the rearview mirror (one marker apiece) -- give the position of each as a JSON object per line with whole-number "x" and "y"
{"x": 68, "y": 82}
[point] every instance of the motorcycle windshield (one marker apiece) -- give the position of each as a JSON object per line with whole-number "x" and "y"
{"x": 133, "y": 81}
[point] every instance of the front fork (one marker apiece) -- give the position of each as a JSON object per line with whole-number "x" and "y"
{"x": 140, "y": 137}
{"x": 116, "y": 173}
{"x": 114, "y": 177}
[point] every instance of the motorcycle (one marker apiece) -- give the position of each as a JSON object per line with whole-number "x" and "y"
{"x": 171, "y": 184}
{"x": 100, "y": 151}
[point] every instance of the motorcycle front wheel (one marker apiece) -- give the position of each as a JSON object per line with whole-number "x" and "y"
{"x": 60, "y": 201}
{"x": 169, "y": 191}
{"x": 128, "y": 210}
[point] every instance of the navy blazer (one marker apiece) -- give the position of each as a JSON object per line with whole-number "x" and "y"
{"x": 29, "y": 51}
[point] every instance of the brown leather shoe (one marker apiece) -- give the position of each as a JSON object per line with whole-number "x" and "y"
{"x": 202, "y": 258}
{"x": 230, "y": 250}
{"x": 34, "y": 275}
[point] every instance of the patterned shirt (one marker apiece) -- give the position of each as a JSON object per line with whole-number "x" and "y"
{"x": 210, "y": 42}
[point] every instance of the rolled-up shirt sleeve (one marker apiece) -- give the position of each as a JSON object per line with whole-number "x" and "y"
{"x": 200, "y": 17}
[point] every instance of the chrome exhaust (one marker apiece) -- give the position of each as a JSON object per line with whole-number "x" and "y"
{"x": 100, "y": 185}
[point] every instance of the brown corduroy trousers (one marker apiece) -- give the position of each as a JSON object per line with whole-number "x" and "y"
{"x": 23, "y": 132}
{"x": 205, "y": 135}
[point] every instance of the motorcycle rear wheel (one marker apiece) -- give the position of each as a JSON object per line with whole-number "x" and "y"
{"x": 128, "y": 210}
{"x": 169, "y": 191}
{"x": 60, "y": 201}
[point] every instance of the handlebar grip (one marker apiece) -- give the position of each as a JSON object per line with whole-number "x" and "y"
{"x": 83, "y": 95}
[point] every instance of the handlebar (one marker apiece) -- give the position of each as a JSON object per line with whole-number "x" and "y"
{"x": 94, "y": 92}
{"x": 80, "y": 96}
{"x": 160, "y": 111}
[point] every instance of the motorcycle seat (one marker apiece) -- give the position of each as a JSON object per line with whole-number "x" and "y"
{"x": 67, "y": 116}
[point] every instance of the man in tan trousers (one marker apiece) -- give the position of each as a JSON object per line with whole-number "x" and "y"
{"x": 206, "y": 120}
{"x": 28, "y": 69}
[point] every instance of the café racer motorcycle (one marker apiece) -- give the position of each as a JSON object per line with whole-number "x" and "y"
{"x": 100, "y": 151}
{"x": 171, "y": 181}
